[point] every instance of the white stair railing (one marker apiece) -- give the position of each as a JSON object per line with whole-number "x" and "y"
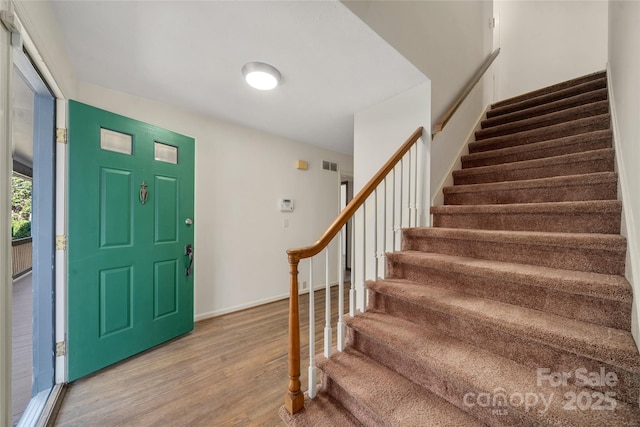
{"x": 366, "y": 207}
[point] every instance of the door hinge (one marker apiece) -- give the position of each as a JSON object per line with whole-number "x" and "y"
{"x": 61, "y": 348}
{"x": 61, "y": 243}
{"x": 61, "y": 135}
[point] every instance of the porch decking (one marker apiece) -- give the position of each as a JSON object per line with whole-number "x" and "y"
{"x": 22, "y": 332}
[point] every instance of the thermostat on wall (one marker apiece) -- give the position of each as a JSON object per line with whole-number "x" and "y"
{"x": 286, "y": 205}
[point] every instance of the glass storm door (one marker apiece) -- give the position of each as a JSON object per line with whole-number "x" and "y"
{"x": 131, "y": 204}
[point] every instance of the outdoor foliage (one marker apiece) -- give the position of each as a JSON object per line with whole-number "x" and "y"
{"x": 20, "y": 207}
{"x": 20, "y": 229}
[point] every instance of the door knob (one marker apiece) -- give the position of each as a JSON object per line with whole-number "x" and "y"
{"x": 188, "y": 221}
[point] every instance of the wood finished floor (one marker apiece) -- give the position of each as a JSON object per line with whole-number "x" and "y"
{"x": 230, "y": 371}
{"x": 21, "y": 346}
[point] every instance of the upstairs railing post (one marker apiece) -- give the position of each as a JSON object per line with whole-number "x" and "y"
{"x": 294, "y": 399}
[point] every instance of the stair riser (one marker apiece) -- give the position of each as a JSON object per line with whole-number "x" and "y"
{"x": 586, "y": 222}
{"x": 522, "y": 349}
{"x": 359, "y": 411}
{"x": 563, "y": 193}
{"x": 562, "y": 130}
{"x": 581, "y": 112}
{"x": 571, "y": 145}
{"x": 599, "y": 311}
{"x": 567, "y": 258}
{"x": 565, "y": 169}
{"x": 550, "y": 94}
{"x": 432, "y": 380}
{"x": 560, "y": 105}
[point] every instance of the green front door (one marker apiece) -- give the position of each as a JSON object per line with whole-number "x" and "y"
{"x": 131, "y": 207}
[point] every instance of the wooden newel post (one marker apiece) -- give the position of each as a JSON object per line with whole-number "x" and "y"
{"x": 294, "y": 399}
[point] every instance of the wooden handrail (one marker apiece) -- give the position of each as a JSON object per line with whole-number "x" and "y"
{"x": 444, "y": 119}
{"x": 294, "y": 399}
{"x": 356, "y": 202}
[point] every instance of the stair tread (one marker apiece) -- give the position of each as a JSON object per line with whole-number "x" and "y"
{"x": 563, "y": 240}
{"x": 605, "y": 153}
{"x": 568, "y": 180}
{"x": 391, "y": 397}
{"x": 596, "y": 206}
{"x": 600, "y": 253}
{"x": 323, "y": 410}
{"x": 540, "y": 146}
{"x": 568, "y": 128}
{"x": 477, "y": 370}
{"x": 558, "y": 89}
{"x": 557, "y": 105}
{"x": 551, "y": 118}
{"x": 598, "y": 285}
{"x": 608, "y": 345}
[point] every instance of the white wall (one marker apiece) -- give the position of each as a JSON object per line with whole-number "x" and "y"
{"x": 446, "y": 40}
{"x": 624, "y": 78}
{"x": 547, "y": 42}
{"x": 451, "y": 144}
{"x": 378, "y": 132}
{"x": 241, "y": 173}
{"x": 382, "y": 128}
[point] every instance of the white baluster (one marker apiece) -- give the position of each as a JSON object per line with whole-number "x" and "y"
{"x": 393, "y": 211}
{"x": 409, "y": 185}
{"x": 341, "y": 326}
{"x": 375, "y": 234}
{"x": 384, "y": 231}
{"x": 401, "y": 193}
{"x": 415, "y": 190}
{"x": 313, "y": 380}
{"x": 327, "y": 306}
{"x": 364, "y": 257}
{"x": 352, "y": 289}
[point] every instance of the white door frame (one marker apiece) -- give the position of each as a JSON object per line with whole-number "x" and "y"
{"x": 60, "y": 201}
{"x": 5, "y": 208}
{"x": 6, "y": 58}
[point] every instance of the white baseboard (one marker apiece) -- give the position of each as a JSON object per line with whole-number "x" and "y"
{"x": 628, "y": 226}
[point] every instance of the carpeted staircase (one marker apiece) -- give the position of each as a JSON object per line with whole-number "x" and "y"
{"x": 513, "y": 309}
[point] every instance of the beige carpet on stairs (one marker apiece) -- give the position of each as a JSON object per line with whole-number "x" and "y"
{"x": 512, "y": 310}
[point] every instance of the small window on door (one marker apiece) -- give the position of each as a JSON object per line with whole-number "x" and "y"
{"x": 115, "y": 141}
{"x": 166, "y": 153}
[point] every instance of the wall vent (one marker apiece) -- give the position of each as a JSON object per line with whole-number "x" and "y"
{"x": 329, "y": 166}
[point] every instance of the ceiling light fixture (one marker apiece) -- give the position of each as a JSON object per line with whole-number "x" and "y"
{"x": 260, "y": 75}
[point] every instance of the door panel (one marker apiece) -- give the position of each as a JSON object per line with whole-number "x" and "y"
{"x": 166, "y": 209}
{"x": 116, "y": 216}
{"x": 115, "y": 300}
{"x": 130, "y": 191}
{"x": 165, "y": 290}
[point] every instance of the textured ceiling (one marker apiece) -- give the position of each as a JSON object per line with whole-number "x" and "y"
{"x": 189, "y": 54}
